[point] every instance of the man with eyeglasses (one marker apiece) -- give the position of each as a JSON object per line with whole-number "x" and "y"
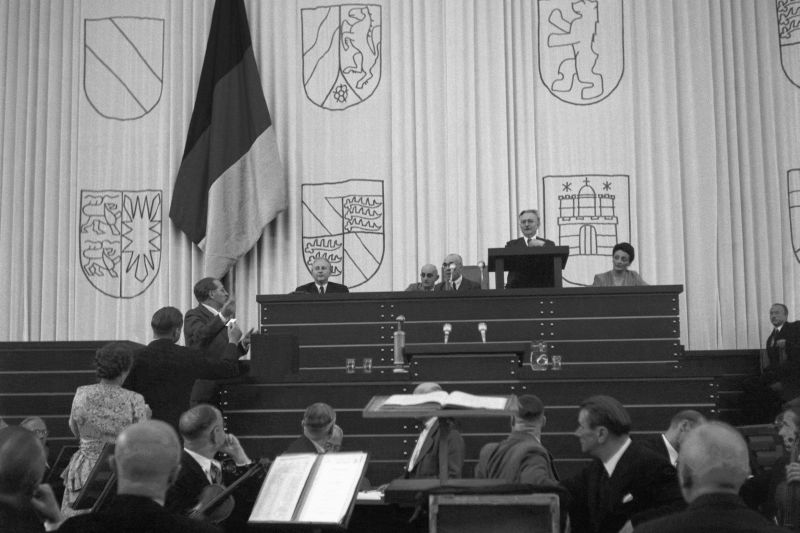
{"x": 428, "y": 276}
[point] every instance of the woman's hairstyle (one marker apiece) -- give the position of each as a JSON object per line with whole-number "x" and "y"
{"x": 625, "y": 247}
{"x": 113, "y": 359}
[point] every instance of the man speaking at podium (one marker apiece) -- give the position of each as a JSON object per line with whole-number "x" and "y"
{"x": 528, "y": 225}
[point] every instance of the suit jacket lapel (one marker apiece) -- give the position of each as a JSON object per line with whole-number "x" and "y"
{"x": 429, "y": 441}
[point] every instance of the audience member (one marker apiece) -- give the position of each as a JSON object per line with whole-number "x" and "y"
{"x": 437, "y": 433}
{"x": 428, "y": 276}
{"x": 25, "y": 504}
{"x": 626, "y": 483}
{"x": 713, "y": 465}
{"x": 99, "y": 412}
{"x": 668, "y": 444}
{"x": 528, "y": 224}
{"x": 453, "y": 280}
{"x": 620, "y": 276}
{"x": 319, "y": 423}
{"x": 210, "y": 325}
{"x": 520, "y": 458}
{"x": 165, "y": 372}
{"x": 146, "y": 460}
{"x": 203, "y": 437}
{"x": 321, "y": 271}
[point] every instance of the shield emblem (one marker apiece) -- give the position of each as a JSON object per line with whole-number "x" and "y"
{"x": 344, "y": 222}
{"x": 123, "y": 65}
{"x": 789, "y": 38}
{"x": 590, "y": 214}
{"x": 793, "y": 181}
{"x": 342, "y": 51}
{"x": 581, "y": 50}
{"x": 120, "y": 240}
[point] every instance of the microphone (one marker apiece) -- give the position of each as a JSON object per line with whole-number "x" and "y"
{"x": 446, "y": 329}
{"x": 452, "y": 267}
{"x": 482, "y": 329}
{"x": 399, "y": 345}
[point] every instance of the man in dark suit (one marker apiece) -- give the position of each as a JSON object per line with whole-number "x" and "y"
{"x": 438, "y": 434}
{"x": 713, "y": 464}
{"x": 321, "y": 271}
{"x": 528, "y": 225}
{"x": 203, "y": 438}
{"x": 164, "y": 372}
{"x": 146, "y": 460}
{"x": 626, "y": 483}
{"x": 520, "y": 458}
{"x": 453, "y": 280}
{"x": 206, "y": 326}
{"x": 428, "y": 275}
{"x": 668, "y": 444}
{"x": 320, "y": 432}
{"x": 25, "y": 503}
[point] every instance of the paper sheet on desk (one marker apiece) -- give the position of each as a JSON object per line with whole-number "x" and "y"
{"x": 370, "y": 496}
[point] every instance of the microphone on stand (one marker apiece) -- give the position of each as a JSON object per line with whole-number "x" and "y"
{"x": 446, "y": 329}
{"x": 482, "y": 267}
{"x": 399, "y": 345}
{"x": 452, "y": 267}
{"x": 482, "y": 329}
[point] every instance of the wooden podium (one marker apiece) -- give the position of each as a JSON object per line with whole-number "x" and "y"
{"x": 546, "y": 261}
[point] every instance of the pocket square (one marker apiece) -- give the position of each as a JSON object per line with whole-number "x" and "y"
{"x": 627, "y": 498}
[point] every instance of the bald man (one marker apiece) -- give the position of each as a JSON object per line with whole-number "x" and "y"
{"x": 425, "y": 460}
{"x": 25, "y": 503}
{"x": 146, "y": 460}
{"x": 428, "y": 275}
{"x": 713, "y": 463}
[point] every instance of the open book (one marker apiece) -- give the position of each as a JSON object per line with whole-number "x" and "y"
{"x": 445, "y": 400}
{"x": 310, "y": 489}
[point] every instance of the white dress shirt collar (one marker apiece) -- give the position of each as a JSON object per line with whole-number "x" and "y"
{"x": 612, "y": 462}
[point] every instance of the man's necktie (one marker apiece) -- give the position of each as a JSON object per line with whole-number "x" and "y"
{"x": 530, "y": 240}
{"x": 774, "y": 338}
{"x": 321, "y": 289}
{"x": 216, "y": 474}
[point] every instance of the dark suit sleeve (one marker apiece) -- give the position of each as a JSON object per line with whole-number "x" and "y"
{"x": 657, "y": 491}
{"x": 577, "y": 487}
{"x": 227, "y": 367}
{"x": 455, "y": 453}
{"x": 198, "y": 331}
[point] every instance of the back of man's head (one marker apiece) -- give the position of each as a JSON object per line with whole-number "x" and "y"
{"x": 687, "y": 415}
{"x": 146, "y": 456}
{"x": 22, "y": 462}
{"x": 713, "y": 459}
{"x": 318, "y": 421}
{"x": 196, "y": 423}
{"x": 529, "y": 411}
{"x": 165, "y": 321}
{"x": 426, "y": 387}
{"x": 607, "y": 412}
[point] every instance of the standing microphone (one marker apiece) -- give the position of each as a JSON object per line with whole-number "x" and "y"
{"x": 452, "y": 267}
{"x": 399, "y": 345}
{"x": 482, "y": 329}
{"x": 446, "y": 329}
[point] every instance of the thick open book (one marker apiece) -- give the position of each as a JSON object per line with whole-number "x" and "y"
{"x": 444, "y": 400}
{"x": 308, "y": 488}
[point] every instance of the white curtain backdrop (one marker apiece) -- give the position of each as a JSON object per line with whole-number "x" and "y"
{"x": 689, "y": 147}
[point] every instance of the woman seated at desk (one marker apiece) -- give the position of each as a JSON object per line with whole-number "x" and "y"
{"x": 620, "y": 276}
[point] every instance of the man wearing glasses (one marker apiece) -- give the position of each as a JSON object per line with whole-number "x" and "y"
{"x": 428, "y": 276}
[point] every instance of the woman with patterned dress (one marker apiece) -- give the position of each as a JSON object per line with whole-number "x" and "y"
{"x": 99, "y": 413}
{"x": 620, "y": 275}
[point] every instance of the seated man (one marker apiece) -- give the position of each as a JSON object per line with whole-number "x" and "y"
{"x": 626, "y": 483}
{"x": 668, "y": 444}
{"x": 321, "y": 271}
{"x": 25, "y": 503}
{"x": 713, "y": 464}
{"x": 165, "y": 372}
{"x": 520, "y": 458}
{"x": 437, "y": 434}
{"x": 427, "y": 279}
{"x": 319, "y": 431}
{"x": 146, "y": 459}
{"x": 453, "y": 280}
{"x": 528, "y": 224}
{"x": 203, "y": 438}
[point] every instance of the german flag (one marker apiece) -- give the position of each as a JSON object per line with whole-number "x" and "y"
{"x": 231, "y": 182}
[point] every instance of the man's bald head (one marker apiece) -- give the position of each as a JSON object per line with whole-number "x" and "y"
{"x": 22, "y": 461}
{"x": 713, "y": 459}
{"x": 146, "y": 453}
{"x": 425, "y": 388}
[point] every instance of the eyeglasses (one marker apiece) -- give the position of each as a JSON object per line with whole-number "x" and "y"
{"x": 424, "y": 275}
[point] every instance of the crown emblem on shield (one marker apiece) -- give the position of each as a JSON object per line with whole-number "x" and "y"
{"x": 123, "y": 65}
{"x": 344, "y": 223}
{"x": 120, "y": 240}
{"x": 342, "y": 51}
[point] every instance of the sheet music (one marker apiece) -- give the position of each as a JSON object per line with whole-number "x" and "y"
{"x": 333, "y": 487}
{"x": 281, "y": 490}
{"x": 470, "y": 401}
